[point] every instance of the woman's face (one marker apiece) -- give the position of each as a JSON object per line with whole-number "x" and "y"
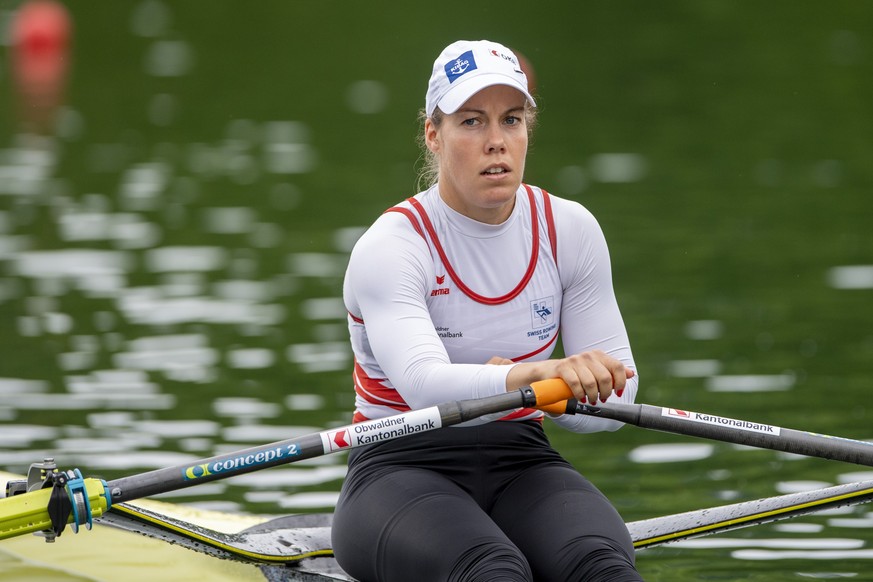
{"x": 481, "y": 149}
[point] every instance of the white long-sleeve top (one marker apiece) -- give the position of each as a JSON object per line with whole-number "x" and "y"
{"x": 432, "y": 295}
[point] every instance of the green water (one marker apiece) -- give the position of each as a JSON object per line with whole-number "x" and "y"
{"x": 222, "y": 156}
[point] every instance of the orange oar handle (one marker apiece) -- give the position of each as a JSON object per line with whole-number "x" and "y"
{"x": 560, "y": 407}
{"x": 551, "y": 392}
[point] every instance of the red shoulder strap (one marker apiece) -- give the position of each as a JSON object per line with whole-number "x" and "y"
{"x": 550, "y": 224}
{"x": 408, "y": 214}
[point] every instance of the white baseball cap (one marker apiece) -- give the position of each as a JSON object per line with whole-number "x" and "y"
{"x": 466, "y": 67}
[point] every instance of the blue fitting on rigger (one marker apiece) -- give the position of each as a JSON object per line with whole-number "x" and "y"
{"x": 76, "y": 485}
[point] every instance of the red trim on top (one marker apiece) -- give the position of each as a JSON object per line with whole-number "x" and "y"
{"x": 536, "y": 351}
{"x": 534, "y": 254}
{"x": 520, "y": 413}
{"x": 375, "y": 392}
{"x": 355, "y": 318}
{"x": 408, "y": 214}
{"x": 550, "y": 224}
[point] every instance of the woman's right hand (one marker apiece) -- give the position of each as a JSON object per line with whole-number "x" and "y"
{"x": 591, "y": 375}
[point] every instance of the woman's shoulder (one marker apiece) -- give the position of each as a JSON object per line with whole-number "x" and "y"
{"x": 393, "y": 233}
{"x": 566, "y": 210}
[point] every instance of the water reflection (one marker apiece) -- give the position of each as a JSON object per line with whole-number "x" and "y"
{"x": 172, "y": 255}
{"x": 672, "y": 453}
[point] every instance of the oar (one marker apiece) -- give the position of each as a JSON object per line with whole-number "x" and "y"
{"x": 292, "y": 538}
{"x": 720, "y": 428}
{"x": 660, "y": 530}
{"x": 54, "y": 499}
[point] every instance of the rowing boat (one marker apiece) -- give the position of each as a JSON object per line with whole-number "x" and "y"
{"x": 297, "y": 547}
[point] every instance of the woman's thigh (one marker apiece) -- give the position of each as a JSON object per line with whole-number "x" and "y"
{"x": 405, "y": 524}
{"x": 566, "y": 528}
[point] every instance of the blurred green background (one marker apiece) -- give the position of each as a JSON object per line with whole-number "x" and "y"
{"x": 174, "y": 232}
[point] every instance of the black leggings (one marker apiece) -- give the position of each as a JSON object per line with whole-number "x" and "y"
{"x": 484, "y": 503}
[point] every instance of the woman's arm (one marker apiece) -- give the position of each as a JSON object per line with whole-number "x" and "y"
{"x": 386, "y": 284}
{"x": 600, "y": 363}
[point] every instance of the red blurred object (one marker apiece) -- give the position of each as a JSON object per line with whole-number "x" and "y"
{"x": 40, "y": 49}
{"x": 529, "y": 72}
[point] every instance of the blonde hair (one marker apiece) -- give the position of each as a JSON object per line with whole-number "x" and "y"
{"x": 429, "y": 172}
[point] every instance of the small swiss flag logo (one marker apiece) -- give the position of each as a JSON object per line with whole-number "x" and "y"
{"x": 339, "y": 440}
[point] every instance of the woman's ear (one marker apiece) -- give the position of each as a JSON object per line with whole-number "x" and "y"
{"x": 431, "y": 136}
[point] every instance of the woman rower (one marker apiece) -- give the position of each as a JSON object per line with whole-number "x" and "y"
{"x": 460, "y": 292}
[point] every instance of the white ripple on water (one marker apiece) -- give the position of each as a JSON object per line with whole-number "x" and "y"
{"x": 798, "y": 527}
{"x": 176, "y": 429}
{"x": 773, "y": 543}
{"x": 185, "y": 259}
{"x": 151, "y": 306}
{"x": 305, "y": 402}
{"x": 855, "y": 476}
{"x": 182, "y": 357}
{"x": 799, "y": 486}
{"x": 228, "y": 220}
{"x": 618, "y": 167}
{"x": 114, "y": 444}
{"x": 318, "y": 264}
{"x": 261, "y": 433}
{"x": 309, "y": 500}
{"x": 321, "y": 357}
{"x": 851, "y": 277}
{"x": 704, "y": 329}
{"x": 73, "y": 263}
{"x": 203, "y": 490}
{"x": 89, "y": 401}
{"x": 280, "y": 478}
{"x": 112, "y": 382}
{"x": 22, "y": 435}
{"x": 751, "y": 383}
{"x": 15, "y": 386}
{"x": 135, "y": 460}
{"x": 830, "y": 555}
{"x": 245, "y": 408}
{"x": 126, "y": 230}
{"x": 671, "y": 453}
{"x": 865, "y": 523}
{"x": 245, "y": 290}
{"x": 324, "y": 308}
{"x": 250, "y": 358}
{"x": 694, "y": 368}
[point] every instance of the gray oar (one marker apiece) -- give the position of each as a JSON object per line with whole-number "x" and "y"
{"x": 720, "y": 428}
{"x": 51, "y": 499}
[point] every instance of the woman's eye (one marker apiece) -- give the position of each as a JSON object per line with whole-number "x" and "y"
{"x": 512, "y": 120}
{"x": 471, "y": 121}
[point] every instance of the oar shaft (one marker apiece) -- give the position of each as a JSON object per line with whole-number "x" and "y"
{"x": 330, "y": 441}
{"x": 731, "y": 430}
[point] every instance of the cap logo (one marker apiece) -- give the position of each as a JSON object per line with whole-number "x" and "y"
{"x": 463, "y": 64}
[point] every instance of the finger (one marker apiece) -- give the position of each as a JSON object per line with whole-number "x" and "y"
{"x": 619, "y": 378}
{"x": 590, "y": 384}
{"x": 603, "y": 369}
{"x": 605, "y": 382}
{"x": 619, "y": 390}
{"x": 499, "y": 361}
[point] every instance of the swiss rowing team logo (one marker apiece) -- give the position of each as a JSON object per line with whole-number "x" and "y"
{"x": 542, "y": 312}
